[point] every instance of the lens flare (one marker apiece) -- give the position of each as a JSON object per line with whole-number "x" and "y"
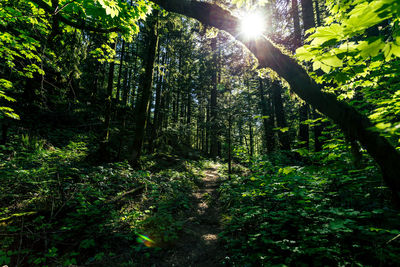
{"x": 146, "y": 241}
{"x": 252, "y": 25}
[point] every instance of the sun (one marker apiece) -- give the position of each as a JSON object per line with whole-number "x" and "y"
{"x": 252, "y": 25}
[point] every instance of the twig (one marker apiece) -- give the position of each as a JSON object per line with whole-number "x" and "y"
{"x": 115, "y": 199}
{"x": 64, "y": 6}
{"x": 394, "y": 238}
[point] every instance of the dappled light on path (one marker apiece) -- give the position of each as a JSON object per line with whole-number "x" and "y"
{"x": 199, "y": 244}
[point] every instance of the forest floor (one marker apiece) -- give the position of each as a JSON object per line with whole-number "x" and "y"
{"x": 198, "y": 243}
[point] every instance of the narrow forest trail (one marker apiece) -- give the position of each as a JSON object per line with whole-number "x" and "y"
{"x": 198, "y": 243}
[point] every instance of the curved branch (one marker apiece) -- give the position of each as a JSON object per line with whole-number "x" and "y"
{"x": 269, "y": 56}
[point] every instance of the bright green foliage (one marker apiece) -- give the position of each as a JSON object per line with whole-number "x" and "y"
{"x": 358, "y": 49}
{"x": 6, "y": 111}
{"x": 19, "y": 48}
{"x": 108, "y": 14}
{"x": 314, "y": 215}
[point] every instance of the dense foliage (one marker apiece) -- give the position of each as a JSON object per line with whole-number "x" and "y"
{"x": 111, "y": 110}
{"x": 57, "y": 210}
{"x": 320, "y": 213}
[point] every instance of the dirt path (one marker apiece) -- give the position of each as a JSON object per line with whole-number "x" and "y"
{"x": 198, "y": 244}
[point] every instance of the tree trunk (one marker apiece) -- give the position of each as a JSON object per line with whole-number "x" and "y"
{"x": 102, "y": 153}
{"x": 308, "y": 22}
{"x": 213, "y": 102}
{"x": 189, "y": 114}
{"x": 229, "y": 140}
{"x": 267, "y": 114}
{"x": 107, "y": 114}
{"x": 127, "y": 88}
{"x": 318, "y": 143}
{"x": 131, "y": 99}
{"x": 317, "y": 129}
{"x": 268, "y": 55}
{"x": 120, "y": 71}
{"x": 147, "y": 83}
{"x": 303, "y": 127}
{"x": 296, "y": 25}
{"x": 251, "y": 136}
{"x": 284, "y": 140}
{"x": 4, "y": 130}
{"x": 157, "y": 108}
{"x": 307, "y": 12}
{"x": 318, "y": 13}
{"x": 208, "y": 129}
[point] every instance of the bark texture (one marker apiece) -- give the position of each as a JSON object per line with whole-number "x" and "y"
{"x": 268, "y": 120}
{"x": 144, "y": 103}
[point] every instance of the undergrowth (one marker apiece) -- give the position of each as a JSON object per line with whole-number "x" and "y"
{"x": 57, "y": 210}
{"x": 324, "y": 213}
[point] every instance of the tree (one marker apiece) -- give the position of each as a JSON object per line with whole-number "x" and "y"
{"x": 213, "y": 101}
{"x": 268, "y": 117}
{"x": 142, "y": 108}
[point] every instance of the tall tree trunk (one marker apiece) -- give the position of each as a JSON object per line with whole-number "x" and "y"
{"x": 308, "y": 22}
{"x": 304, "y": 132}
{"x": 251, "y": 136}
{"x": 283, "y": 134}
{"x": 250, "y": 119}
{"x": 110, "y": 83}
{"x": 208, "y": 128}
{"x": 266, "y": 112}
{"x": 157, "y": 107}
{"x": 296, "y": 25}
{"x": 103, "y": 154}
{"x": 317, "y": 129}
{"x": 189, "y": 113}
{"x": 4, "y": 130}
{"x": 120, "y": 71}
{"x": 307, "y": 12}
{"x": 229, "y": 139}
{"x": 147, "y": 84}
{"x": 317, "y": 13}
{"x": 135, "y": 70}
{"x": 127, "y": 87}
{"x": 202, "y": 116}
{"x": 157, "y": 102}
{"x": 213, "y": 102}
{"x": 125, "y": 93}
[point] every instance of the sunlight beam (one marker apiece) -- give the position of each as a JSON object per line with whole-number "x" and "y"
{"x": 252, "y": 25}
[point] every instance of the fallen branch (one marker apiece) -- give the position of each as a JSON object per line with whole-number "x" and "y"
{"x": 124, "y": 194}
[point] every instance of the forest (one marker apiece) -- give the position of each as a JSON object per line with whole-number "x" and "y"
{"x": 199, "y": 133}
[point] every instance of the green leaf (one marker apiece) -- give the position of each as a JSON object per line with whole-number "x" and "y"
{"x": 325, "y": 34}
{"x": 332, "y": 61}
{"x": 383, "y": 126}
{"x": 303, "y": 54}
{"x": 396, "y": 50}
{"x": 387, "y": 51}
{"x": 286, "y": 170}
{"x": 316, "y": 65}
{"x": 326, "y": 68}
{"x": 370, "y": 49}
